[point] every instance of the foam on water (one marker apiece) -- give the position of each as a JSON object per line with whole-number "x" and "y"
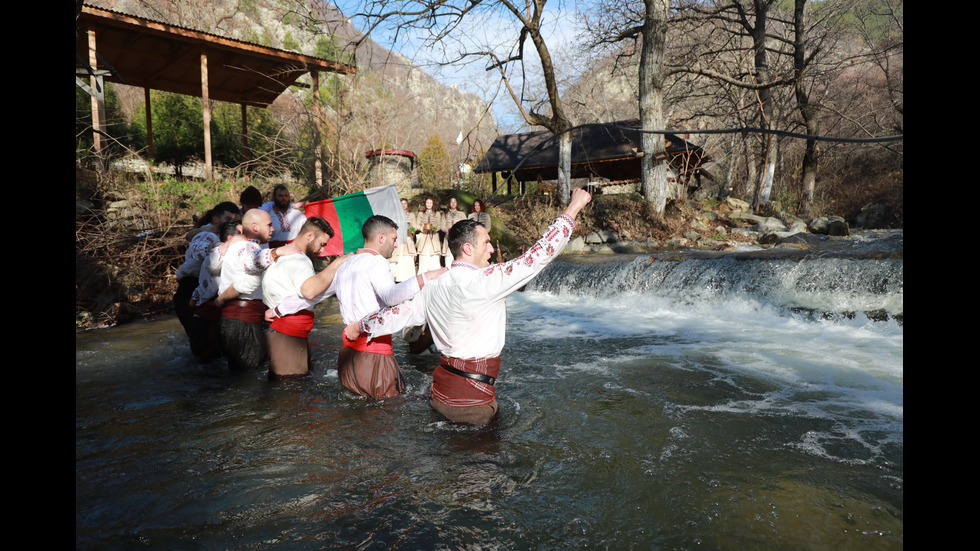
{"x": 845, "y": 372}
{"x": 822, "y": 285}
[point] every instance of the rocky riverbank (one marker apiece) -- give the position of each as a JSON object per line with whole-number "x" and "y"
{"x": 613, "y": 225}
{"x": 728, "y": 226}
{"x": 127, "y": 273}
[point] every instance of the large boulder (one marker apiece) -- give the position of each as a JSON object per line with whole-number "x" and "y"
{"x": 829, "y": 225}
{"x": 600, "y": 236}
{"x": 575, "y": 246}
{"x": 737, "y": 205}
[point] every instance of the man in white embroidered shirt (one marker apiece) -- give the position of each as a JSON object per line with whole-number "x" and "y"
{"x": 467, "y": 316}
{"x": 242, "y": 327}
{"x": 286, "y": 219}
{"x": 287, "y": 337}
{"x": 364, "y": 284}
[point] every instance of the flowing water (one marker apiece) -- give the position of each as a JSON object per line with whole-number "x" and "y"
{"x": 739, "y": 401}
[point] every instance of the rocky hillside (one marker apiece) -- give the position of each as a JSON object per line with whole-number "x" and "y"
{"x": 392, "y": 102}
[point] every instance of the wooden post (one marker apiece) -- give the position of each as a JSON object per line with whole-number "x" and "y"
{"x": 149, "y": 122}
{"x": 98, "y": 100}
{"x": 317, "y": 117}
{"x": 208, "y": 170}
{"x": 245, "y": 152}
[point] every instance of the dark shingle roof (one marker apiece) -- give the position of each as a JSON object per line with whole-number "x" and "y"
{"x": 608, "y": 151}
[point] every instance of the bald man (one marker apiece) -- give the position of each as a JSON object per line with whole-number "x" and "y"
{"x": 242, "y": 324}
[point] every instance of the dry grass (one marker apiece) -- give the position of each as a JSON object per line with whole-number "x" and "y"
{"x": 120, "y": 274}
{"x": 630, "y": 218}
{"x": 125, "y": 261}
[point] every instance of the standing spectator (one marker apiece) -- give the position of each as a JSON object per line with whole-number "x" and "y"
{"x": 450, "y": 217}
{"x": 286, "y": 219}
{"x": 479, "y": 213}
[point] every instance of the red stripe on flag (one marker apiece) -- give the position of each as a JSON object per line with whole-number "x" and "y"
{"x": 327, "y": 210}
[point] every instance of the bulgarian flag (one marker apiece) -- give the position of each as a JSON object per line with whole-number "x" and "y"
{"x": 347, "y": 213}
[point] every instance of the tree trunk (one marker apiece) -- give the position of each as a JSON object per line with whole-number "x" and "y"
{"x": 764, "y": 190}
{"x": 809, "y": 182}
{"x": 762, "y": 76}
{"x": 727, "y": 188}
{"x": 565, "y": 168}
{"x": 807, "y": 111}
{"x": 557, "y": 122}
{"x": 751, "y": 164}
{"x": 653, "y": 172}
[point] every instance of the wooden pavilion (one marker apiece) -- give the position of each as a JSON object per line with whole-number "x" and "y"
{"x": 117, "y": 47}
{"x": 610, "y": 152}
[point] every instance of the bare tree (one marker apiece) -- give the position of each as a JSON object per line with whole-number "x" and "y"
{"x": 881, "y": 27}
{"x": 735, "y": 26}
{"x": 442, "y": 22}
{"x": 740, "y": 45}
{"x": 754, "y": 21}
{"x": 611, "y": 23}
{"x": 807, "y": 108}
{"x": 653, "y": 168}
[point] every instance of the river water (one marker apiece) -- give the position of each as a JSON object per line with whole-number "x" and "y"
{"x": 738, "y": 401}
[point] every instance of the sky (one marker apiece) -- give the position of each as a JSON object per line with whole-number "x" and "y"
{"x": 495, "y": 30}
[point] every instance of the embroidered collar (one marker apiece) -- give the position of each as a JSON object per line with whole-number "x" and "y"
{"x": 367, "y": 250}
{"x": 464, "y": 264}
{"x": 283, "y": 220}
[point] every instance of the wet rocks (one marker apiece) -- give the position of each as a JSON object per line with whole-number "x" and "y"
{"x": 829, "y": 225}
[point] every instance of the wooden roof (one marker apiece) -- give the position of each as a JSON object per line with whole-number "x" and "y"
{"x": 152, "y": 54}
{"x": 606, "y": 151}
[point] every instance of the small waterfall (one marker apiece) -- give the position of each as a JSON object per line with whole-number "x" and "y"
{"x": 821, "y": 285}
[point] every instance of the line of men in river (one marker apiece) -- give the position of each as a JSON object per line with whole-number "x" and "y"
{"x": 250, "y": 297}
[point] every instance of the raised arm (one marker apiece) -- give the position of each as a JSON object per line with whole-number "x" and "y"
{"x": 579, "y": 199}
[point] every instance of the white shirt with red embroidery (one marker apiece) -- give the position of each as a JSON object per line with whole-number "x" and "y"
{"x": 208, "y": 281}
{"x": 466, "y": 307}
{"x": 197, "y": 251}
{"x": 286, "y": 224}
{"x": 243, "y": 266}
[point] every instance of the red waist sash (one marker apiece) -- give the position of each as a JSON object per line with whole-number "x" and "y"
{"x": 295, "y": 325}
{"x": 249, "y": 311}
{"x": 378, "y": 345}
{"x": 454, "y": 390}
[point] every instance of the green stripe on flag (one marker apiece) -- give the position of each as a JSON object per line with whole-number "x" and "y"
{"x": 352, "y": 211}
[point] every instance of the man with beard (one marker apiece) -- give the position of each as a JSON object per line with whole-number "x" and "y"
{"x": 288, "y": 336}
{"x": 286, "y": 220}
{"x": 363, "y": 285}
